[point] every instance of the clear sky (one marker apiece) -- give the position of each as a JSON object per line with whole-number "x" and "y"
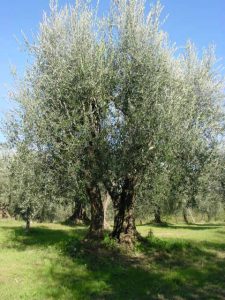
{"x": 202, "y": 21}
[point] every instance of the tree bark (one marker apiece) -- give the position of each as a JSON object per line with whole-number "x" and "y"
{"x": 185, "y": 215}
{"x": 27, "y": 225}
{"x": 27, "y": 218}
{"x": 79, "y": 215}
{"x": 124, "y": 229}
{"x": 106, "y": 202}
{"x": 4, "y": 212}
{"x": 97, "y": 213}
{"x": 157, "y": 214}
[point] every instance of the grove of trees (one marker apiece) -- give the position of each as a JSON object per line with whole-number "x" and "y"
{"x": 109, "y": 108}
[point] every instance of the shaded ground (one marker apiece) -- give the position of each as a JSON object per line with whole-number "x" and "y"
{"x": 177, "y": 262}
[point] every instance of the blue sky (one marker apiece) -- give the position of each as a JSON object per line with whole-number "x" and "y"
{"x": 202, "y": 21}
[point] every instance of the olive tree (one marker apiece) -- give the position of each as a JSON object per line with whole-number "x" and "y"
{"x": 107, "y": 101}
{"x": 63, "y": 98}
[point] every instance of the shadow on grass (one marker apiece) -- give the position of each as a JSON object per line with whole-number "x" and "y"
{"x": 221, "y": 232}
{"x": 189, "y": 227}
{"x": 213, "y": 246}
{"x": 161, "y": 270}
{"x": 199, "y": 273}
{"x": 42, "y": 236}
{"x": 194, "y": 227}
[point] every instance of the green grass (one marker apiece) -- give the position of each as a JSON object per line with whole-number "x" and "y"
{"x": 177, "y": 262}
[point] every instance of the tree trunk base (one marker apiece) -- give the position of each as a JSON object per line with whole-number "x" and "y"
{"x": 4, "y": 213}
{"x": 27, "y": 228}
{"x": 129, "y": 240}
{"x": 106, "y": 202}
{"x": 97, "y": 213}
{"x": 157, "y": 215}
{"x": 157, "y": 221}
{"x": 185, "y": 216}
{"x": 126, "y": 237}
{"x": 124, "y": 230}
{"x": 94, "y": 235}
{"x": 79, "y": 217}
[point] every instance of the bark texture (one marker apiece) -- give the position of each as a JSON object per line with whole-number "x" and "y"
{"x": 4, "y": 213}
{"x": 106, "y": 202}
{"x": 157, "y": 215}
{"x": 124, "y": 229}
{"x": 27, "y": 219}
{"x": 28, "y": 225}
{"x": 79, "y": 215}
{"x": 185, "y": 215}
{"x": 97, "y": 213}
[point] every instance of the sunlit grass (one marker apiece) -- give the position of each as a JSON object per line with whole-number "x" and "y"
{"x": 201, "y": 232}
{"x": 177, "y": 262}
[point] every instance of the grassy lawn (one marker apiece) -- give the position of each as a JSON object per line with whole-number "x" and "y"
{"x": 178, "y": 262}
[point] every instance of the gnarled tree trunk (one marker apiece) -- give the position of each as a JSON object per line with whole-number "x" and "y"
{"x": 106, "y": 202}
{"x": 97, "y": 213}
{"x": 79, "y": 215}
{"x": 27, "y": 225}
{"x": 4, "y": 212}
{"x": 124, "y": 229}
{"x": 157, "y": 214}
{"x": 27, "y": 219}
{"x": 185, "y": 215}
